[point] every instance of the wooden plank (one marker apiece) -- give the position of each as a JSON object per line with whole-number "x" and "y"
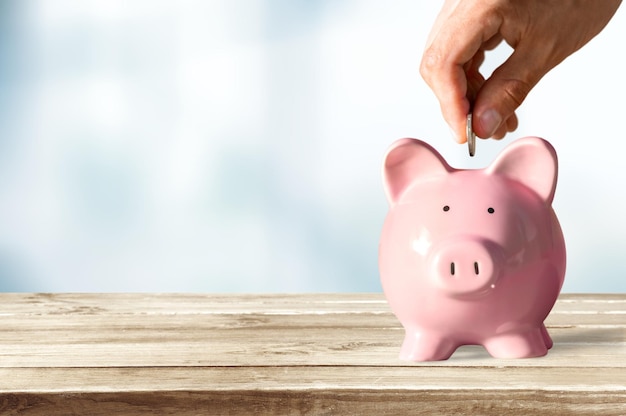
{"x": 308, "y": 378}
{"x": 573, "y": 347}
{"x": 317, "y": 390}
{"x": 306, "y": 310}
{"x": 13, "y": 304}
{"x": 98, "y": 338}
{"x": 327, "y": 402}
{"x": 259, "y": 321}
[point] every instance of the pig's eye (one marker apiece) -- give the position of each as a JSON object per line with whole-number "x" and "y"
{"x": 446, "y": 208}
{"x": 491, "y": 210}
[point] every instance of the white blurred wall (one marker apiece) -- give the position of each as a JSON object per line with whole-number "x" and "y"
{"x": 236, "y": 145}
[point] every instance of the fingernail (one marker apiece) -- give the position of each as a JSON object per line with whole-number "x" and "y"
{"x": 454, "y": 135}
{"x": 490, "y": 120}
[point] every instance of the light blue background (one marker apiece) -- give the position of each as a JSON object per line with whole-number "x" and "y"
{"x": 236, "y": 145}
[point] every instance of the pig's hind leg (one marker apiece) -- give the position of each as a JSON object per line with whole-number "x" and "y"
{"x": 546, "y": 337}
{"x": 527, "y": 344}
{"x": 421, "y": 345}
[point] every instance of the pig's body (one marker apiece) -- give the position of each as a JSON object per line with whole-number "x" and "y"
{"x": 472, "y": 256}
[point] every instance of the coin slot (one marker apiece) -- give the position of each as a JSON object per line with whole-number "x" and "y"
{"x": 476, "y": 268}
{"x": 452, "y": 268}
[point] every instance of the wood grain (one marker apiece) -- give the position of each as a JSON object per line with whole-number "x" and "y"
{"x": 288, "y": 354}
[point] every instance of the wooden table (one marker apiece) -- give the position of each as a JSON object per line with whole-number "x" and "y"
{"x": 330, "y": 354}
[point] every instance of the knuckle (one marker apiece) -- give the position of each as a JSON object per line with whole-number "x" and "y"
{"x": 431, "y": 61}
{"x": 516, "y": 90}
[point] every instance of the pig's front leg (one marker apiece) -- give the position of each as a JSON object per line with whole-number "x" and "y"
{"x": 421, "y": 345}
{"x": 522, "y": 344}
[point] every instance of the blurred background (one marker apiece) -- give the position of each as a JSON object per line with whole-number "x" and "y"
{"x": 236, "y": 145}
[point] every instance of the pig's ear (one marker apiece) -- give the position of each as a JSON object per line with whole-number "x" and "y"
{"x": 408, "y": 161}
{"x": 531, "y": 161}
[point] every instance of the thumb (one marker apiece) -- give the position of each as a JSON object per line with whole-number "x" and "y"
{"x": 505, "y": 90}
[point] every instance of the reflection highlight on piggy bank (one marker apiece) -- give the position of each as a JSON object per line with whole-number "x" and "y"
{"x": 472, "y": 257}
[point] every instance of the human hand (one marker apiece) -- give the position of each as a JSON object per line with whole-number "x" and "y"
{"x": 542, "y": 34}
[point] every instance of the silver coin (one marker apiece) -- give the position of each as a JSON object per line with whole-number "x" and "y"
{"x": 471, "y": 136}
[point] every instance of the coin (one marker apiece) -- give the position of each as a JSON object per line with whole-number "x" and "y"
{"x": 471, "y": 136}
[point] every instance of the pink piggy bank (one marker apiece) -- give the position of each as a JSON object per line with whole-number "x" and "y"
{"x": 472, "y": 256}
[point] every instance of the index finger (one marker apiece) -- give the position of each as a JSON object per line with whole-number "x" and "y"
{"x": 455, "y": 40}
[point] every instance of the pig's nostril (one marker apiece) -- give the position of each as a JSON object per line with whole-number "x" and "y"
{"x": 452, "y": 268}
{"x": 476, "y": 268}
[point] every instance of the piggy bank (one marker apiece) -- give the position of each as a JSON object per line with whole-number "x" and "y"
{"x": 471, "y": 257}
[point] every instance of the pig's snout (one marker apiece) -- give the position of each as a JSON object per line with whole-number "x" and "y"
{"x": 465, "y": 265}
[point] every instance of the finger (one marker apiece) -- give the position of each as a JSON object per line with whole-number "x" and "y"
{"x": 446, "y": 10}
{"x": 508, "y": 126}
{"x": 473, "y": 66}
{"x": 512, "y": 123}
{"x": 504, "y": 92}
{"x": 447, "y": 78}
{"x": 500, "y": 133}
{"x": 475, "y": 81}
{"x": 493, "y": 42}
{"x": 449, "y": 83}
